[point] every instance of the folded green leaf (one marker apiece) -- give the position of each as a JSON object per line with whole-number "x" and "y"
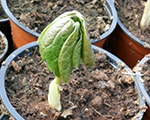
{"x": 87, "y": 52}
{"x": 49, "y": 33}
{"x": 55, "y": 47}
{"x": 76, "y": 58}
{"x": 65, "y": 57}
{"x": 58, "y": 51}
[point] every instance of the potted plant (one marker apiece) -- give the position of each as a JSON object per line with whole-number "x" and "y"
{"x": 91, "y": 92}
{"x": 101, "y": 16}
{"x": 28, "y": 48}
{"x": 142, "y": 76}
{"x": 128, "y": 42}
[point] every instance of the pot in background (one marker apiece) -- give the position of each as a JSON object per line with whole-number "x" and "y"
{"x": 6, "y": 30}
{"x": 13, "y": 56}
{"x": 112, "y": 12}
{"x": 22, "y": 35}
{"x": 126, "y": 46}
{"x": 5, "y": 52}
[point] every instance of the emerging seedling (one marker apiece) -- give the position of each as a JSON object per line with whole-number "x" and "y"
{"x": 146, "y": 17}
{"x": 61, "y": 45}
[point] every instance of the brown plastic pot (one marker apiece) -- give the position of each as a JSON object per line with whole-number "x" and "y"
{"x": 22, "y": 35}
{"x": 126, "y": 46}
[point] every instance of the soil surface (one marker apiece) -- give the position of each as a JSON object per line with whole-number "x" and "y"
{"x": 146, "y": 76}
{"x": 2, "y": 13}
{"x": 3, "y": 109}
{"x": 2, "y": 44}
{"x": 100, "y": 92}
{"x": 37, "y": 14}
{"x": 130, "y": 13}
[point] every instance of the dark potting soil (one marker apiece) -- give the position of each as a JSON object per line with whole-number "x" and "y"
{"x": 146, "y": 75}
{"x": 2, "y": 44}
{"x": 130, "y": 13}
{"x": 2, "y": 13}
{"x": 100, "y": 92}
{"x": 37, "y": 14}
{"x": 3, "y": 109}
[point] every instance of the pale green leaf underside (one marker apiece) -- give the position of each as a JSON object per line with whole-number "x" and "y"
{"x": 76, "y": 58}
{"x": 50, "y": 32}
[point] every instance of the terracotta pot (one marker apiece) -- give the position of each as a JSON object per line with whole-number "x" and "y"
{"x": 138, "y": 69}
{"x": 126, "y": 46}
{"x": 20, "y": 51}
{"x": 22, "y": 35}
{"x": 5, "y": 53}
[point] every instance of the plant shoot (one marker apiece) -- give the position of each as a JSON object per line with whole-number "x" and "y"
{"x": 62, "y": 44}
{"x": 145, "y": 21}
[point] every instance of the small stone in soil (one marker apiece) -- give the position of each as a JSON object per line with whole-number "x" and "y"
{"x": 96, "y": 102}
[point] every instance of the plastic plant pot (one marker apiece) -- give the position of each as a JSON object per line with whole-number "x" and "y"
{"x": 138, "y": 69}
{"x": 126, "y": 46}
{"x": 23, "y": 35}
{"x": 13, "y": 56}
{"x": 112, "y": 12}
{"x": 5, "y": 52}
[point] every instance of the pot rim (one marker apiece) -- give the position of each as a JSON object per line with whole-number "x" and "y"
{"x": 4, "y": 20}
{"x": 113, "y": 61}
{"x": 129, "y": 34}
{"x": 6, "y": 47}
{"x": 138, "y": 77}
{"x": 109, "y": 7}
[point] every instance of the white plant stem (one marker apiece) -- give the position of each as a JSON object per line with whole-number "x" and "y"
{"x": 146, "y": 17}
{"x": 54, "y": 94}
